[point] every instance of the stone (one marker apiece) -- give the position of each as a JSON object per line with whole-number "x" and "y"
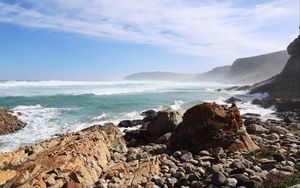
{"x": 186, "y": 157}
{"x": 231, "y": 182}
{"x": 171, "y": 181}
{"x": 158, "y": 180}
{"x": 217, "y": 151}
{"x": 9, "y": 123}
{"x": 241, "y": 178}
{"x": 179, "y": 175}
{"x": 218, "y": 178}
{"x": 287, "y": 169}
{"x": 255, "y": 129}
{"x": 197, "y": 184}
{"x": 278, "y": 157}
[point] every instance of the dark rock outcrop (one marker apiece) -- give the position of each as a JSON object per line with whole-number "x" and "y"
{"x": 286, "y": 85}
{"x": 9, "y": 123}
{"x": 210, "y": 125}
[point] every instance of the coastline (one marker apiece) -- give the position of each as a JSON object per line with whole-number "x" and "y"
{"x": 277, "y": 154}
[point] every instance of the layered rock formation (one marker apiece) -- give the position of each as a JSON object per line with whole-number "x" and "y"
{"x": 210, "y": 125}
{"x": 80, "y": 157}
{"x": 9, "y": 123}
{"x": 287, "y": 84}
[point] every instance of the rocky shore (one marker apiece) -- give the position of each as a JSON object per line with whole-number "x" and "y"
{"x": 9, "y": 123}
{"x": 211, "y": 145}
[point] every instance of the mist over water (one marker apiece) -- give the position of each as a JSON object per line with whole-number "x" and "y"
{"x": 54, "y": 107}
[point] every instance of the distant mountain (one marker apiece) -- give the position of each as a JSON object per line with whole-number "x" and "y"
{"x": 161, "y": 76}
{"x": 257, "y": 68}
{"x": 248, "y": 70}
{"x": 243, "y": 71}
{"x": 215, "y": 75}
{"x": 287, "y": 83}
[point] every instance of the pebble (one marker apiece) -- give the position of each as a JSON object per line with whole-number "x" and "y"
{"x": 218, "y": 178}
{"x": 231, "y": 182}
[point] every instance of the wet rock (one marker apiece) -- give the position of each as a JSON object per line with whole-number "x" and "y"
{"x": 9, "y": 123}
{"x": 130, "y": 123}
{"x": 149, "y": 115}
{"x": 232, "y": 100}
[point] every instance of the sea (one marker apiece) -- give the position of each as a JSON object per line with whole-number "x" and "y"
{"x": 55, "y": 107}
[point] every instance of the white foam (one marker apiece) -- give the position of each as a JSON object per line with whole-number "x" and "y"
{"x": 30, "y": 88}
{"x": 177, "y": 105}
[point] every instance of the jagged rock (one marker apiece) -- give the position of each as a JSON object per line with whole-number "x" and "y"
{"x": 130, "y": 123}
{"x": 149, "y": 115}
{"x": 232, "y": 100}
{"x": 166, "y": 121}
{"x": 9, "y": 123}
{"x": 210, "y": 125}
{"x": 74, "y": 157}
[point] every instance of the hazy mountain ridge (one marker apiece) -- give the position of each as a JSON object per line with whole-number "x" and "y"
{"x": 243, "y": 71}
{"x": 159, "y": 75}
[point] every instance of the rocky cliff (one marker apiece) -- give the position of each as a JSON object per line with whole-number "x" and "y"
{"x": 257, "y": 68}
{"x": 287, "y": 84}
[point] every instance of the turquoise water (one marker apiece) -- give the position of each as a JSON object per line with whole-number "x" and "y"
{"x": 51, "y": 107}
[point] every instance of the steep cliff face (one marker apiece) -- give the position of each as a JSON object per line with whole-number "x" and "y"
{"x": 287, "y": 84}
{"x": 257, "y": 68}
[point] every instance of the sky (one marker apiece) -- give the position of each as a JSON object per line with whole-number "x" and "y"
{"x": 109, "y": 39}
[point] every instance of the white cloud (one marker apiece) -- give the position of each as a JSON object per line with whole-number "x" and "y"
{"x": 223, "y": 30}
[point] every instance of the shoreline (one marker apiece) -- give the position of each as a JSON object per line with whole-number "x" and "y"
{"x": 205, "y": 167}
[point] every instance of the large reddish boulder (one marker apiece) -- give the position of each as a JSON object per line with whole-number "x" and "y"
{"x": 210, "y": 125}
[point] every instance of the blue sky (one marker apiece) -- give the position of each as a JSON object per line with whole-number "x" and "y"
{"x": 108, "y": 39}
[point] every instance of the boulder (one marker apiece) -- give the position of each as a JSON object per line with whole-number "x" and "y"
{"x": 210, "y": 125}
{"x": 74, "y": 157}
{"x": 255, "y": 129}
{"x": 166, "y": 121}
{"x": 9, "y": 123}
